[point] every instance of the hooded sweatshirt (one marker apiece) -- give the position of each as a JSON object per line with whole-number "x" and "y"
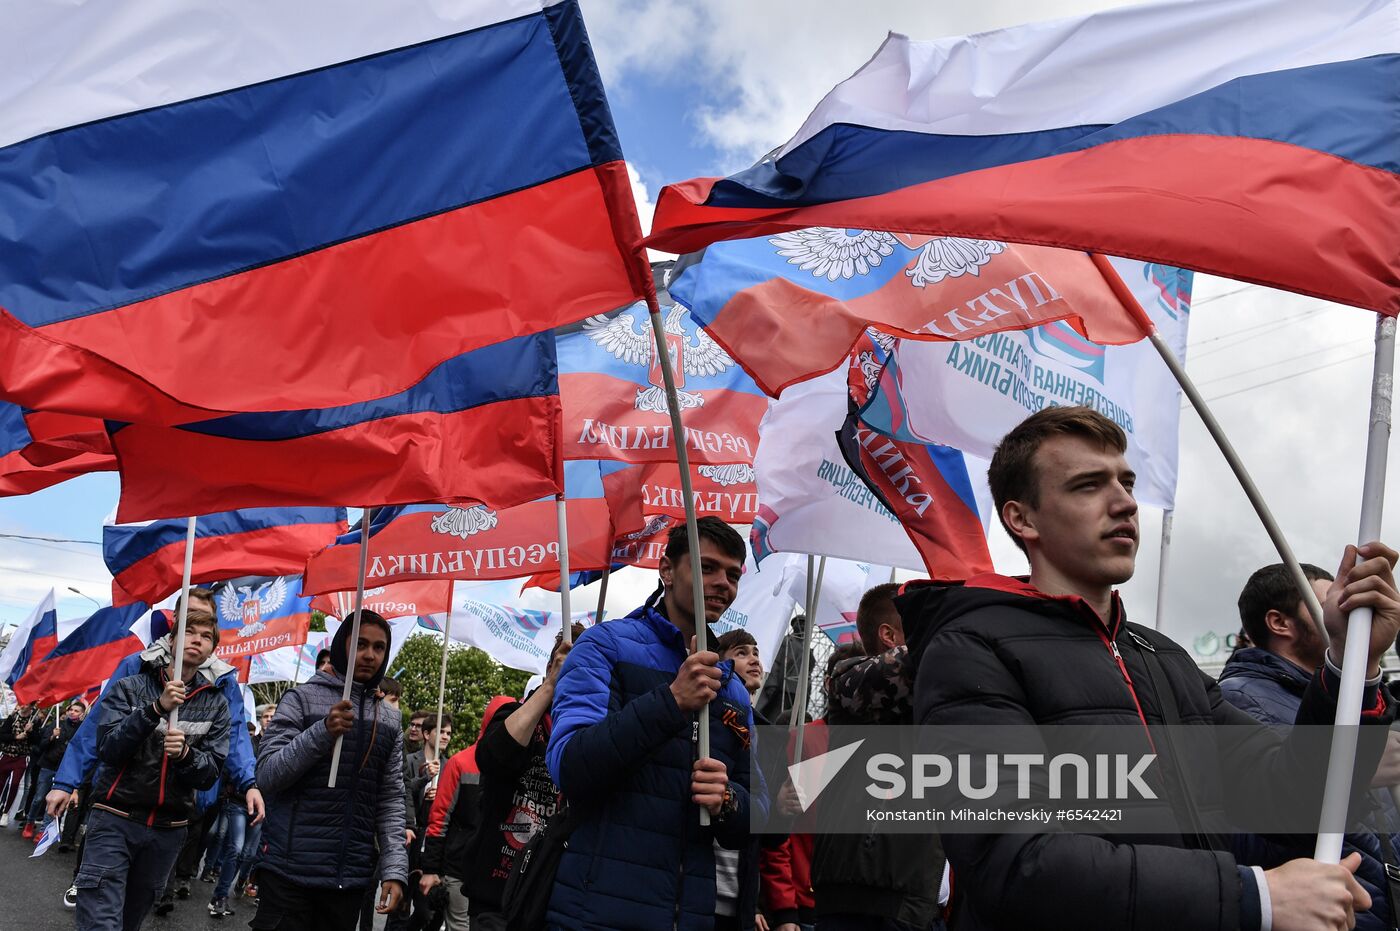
{"x": 330, "y": 838}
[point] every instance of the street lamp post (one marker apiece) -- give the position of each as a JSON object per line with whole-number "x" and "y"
{"x": 88, "y": 597}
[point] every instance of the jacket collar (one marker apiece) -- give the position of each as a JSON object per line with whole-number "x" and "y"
{"x": 1021, "y": 585}
{"x": 159, "y": 654}
{"x": 1258, "y": 663}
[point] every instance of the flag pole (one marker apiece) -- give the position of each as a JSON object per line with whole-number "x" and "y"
{"x": 177, "y": 640}
{"x": 1188, "y": 387}
{"x": 804, "y": 664}
{"x": 442, "y": 687}
{"x": 1336, "y": 793}
{"x": 603, "y": 591}
{"x": 352, "y": 644}
{"x": 697, "y": 575}
{"x": 1162, "y": 557}
{"x": 561, "y": 511}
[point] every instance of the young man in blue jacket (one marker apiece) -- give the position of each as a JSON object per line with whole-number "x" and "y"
{"x": 147, "y": 777}
{"x": 623, "y": 751}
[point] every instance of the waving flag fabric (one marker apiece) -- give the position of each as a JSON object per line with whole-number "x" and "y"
{"x": 791, "y": 306}
{"x": 1254, "y": 139}
{"x": 482, "y": 425}
{"x": 257, "y": 188}
{"x": 420, "y": 542}
{"x": 147, "y": 561}
{"x": 259, "y": 613}
{"x": 970, "y": 395}
{"x": 925, "y": 486}
{"x": 615, "y": 404}
{"x": 30, "y": 463}
{"x": 515, "y": 636}
{"x": 31, "y": 641}
{"x": 401, "y": 599}
{"x": 86, "y": 656}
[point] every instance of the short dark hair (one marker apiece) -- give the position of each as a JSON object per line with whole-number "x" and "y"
{"x": 202, "y": 619}
{"x": 872, "y": 605}
{"x": 391, "y": 686}
{"x": 575, "y": 629}
{"x": 738, "y": 637}
{"x": 1013, "y": 475}
{"x": 710, "y": 528}
{"x": 420, "y": 716}
{"x": 431, "y": 722}
{"x": 1272, "y": 589}
{"x": 323, "y": 656}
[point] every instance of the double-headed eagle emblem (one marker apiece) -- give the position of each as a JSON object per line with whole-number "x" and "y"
{"x": 247, "y": 605}
{"x": 697, "y": 356}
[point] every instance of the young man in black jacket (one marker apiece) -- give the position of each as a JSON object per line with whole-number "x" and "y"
{"x": 146, "y": 780}
{"x": 1056, "y": 648}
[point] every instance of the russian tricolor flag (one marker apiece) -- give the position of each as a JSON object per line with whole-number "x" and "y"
{"x": 147, "y": 560}
{"x": 31, "y": 641}
{"x": 483, "y": 425}
{"x": 87, "y": 655}
{"x": 1256, "y": 139}
{"x": 30, "y": 462}
{"x": 225, "y": 207}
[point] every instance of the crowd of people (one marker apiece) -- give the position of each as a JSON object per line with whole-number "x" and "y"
{"x": 577, "y": 805}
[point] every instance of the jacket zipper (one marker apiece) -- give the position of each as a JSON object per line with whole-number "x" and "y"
{"x": 160, "y": 796}
{"x": 1128, "y": 680}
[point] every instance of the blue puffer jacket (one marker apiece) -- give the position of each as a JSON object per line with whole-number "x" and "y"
{"x": 621, "y": 751}
{"x": 1270, "y": 688}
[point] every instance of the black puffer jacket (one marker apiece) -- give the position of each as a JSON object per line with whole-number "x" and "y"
{"x": 48, "y": 751}
{"x": 998, "y": 652}
{"x": 135, "y": 779}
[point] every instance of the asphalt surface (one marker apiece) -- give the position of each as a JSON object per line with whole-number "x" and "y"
{"x": 31, "y": 897}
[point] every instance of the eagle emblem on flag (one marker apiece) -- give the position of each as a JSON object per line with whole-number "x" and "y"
{"x": 631, "y": 340}
{"x": 464, "y": 522}
{"x": 725, "y": 475}
{"x": 246, "y": 605}
{"x": 832, "y": 253}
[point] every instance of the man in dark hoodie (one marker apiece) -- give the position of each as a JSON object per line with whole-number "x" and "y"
{"x": 319, "y": 843}
{"x": 1056, "y": 647}
{"x": 146, "y": 780}
{"x": 48, "y": 753}
{"x": 1267, "y": 681}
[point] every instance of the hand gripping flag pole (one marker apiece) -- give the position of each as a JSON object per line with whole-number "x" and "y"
{"x": 352, "y": 645}
{"x": 561, "y": 509}
{"x": 1162, "y": 558}
{"x": 177, "y": 639}
{"x": 673, "y": 404}
{"x": 804, "y": 664}
{"x": 1266, "y": 517}
{"x": 1336, "y": 792}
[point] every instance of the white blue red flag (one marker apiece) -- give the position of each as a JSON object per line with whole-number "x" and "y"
{"x": 1254, "y": 139}
{"x": 483, "y": 425}
{"x": 88, "y": 654}
{"x": 614, "y": 402}
{"x": 31, "y": 641}
{"x": 260, "y": 613}
{"x": 147, "y": 560}
{"x": 222, "y": 207}
{"x": 970, "y": 394}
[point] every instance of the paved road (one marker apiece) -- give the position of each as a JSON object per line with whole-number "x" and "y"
{"x": 31, "y": 894}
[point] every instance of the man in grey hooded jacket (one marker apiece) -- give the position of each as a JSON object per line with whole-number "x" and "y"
{"x": 320, "y": 844}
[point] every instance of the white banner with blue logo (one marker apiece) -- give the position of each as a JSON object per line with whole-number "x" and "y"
{"x": 970, "y": 394}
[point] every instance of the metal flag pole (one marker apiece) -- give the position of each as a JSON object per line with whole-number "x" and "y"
{"x": 603, "y": 593}
{"x": 1188, "y": 387}
{"x": 561, "y": 511}
{"x": 804, "y": 664}
{"x": 177, "y": 639}
{"x": 1336, "y": 793}
{"x": 1162, "y": 557}
{"x": 697, "y": 575}
{"x": 352, "y": 644}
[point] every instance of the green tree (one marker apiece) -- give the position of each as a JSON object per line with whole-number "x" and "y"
{"x": 473, "y": 679}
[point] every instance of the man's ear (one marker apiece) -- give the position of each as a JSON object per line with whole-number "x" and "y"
{"x": 1279, "y": 624}
{"x": 1020, "y": 520}
{"x": 666, "y": 570}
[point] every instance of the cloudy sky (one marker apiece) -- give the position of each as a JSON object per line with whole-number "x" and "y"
{"x": 704, "y": 89}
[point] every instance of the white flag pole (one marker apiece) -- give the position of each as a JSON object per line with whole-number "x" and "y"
{"x": 1188, "y": 387}
{"x": 697, "y": 575}
{"x": 177, "y": 638}
{"x": 804, "y": 664}
{"x": 1336, "y": 793}
{"x": 352, "y": 644}
{"x": 561, "y": 511}
{"x": 1162, "y": 558}
{"x": 442, "y": 689}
